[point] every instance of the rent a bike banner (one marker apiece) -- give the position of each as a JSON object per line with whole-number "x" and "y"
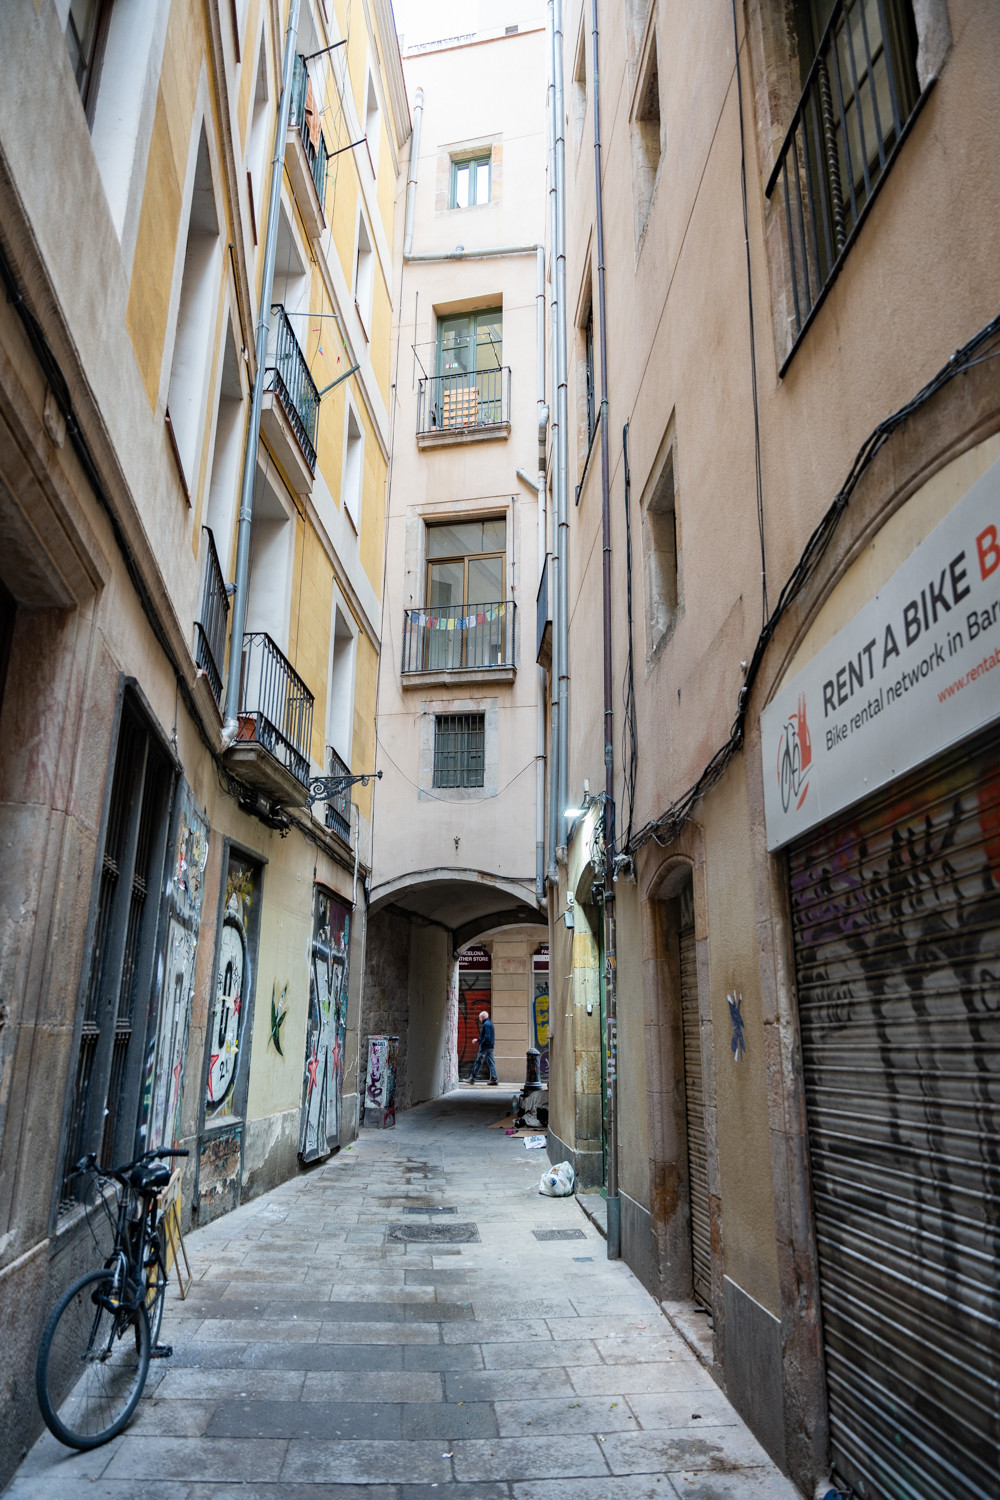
{"x": 916, "y": 670}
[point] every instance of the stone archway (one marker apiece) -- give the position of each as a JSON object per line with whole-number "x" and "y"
{"x": 416, "y": 927}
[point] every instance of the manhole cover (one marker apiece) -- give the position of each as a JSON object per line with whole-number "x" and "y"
{"x": 559, "y": 1234}
{"x": 430, "y": 1208}
{"x": 454, "y": 1234}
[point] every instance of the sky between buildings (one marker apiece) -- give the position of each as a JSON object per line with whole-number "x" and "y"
{"x": 432, "y": 20}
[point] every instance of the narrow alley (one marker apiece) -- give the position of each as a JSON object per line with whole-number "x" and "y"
{"x": 414, "y": 1317}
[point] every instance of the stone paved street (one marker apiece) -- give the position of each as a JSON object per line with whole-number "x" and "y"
{"x": 317, "y": 1357}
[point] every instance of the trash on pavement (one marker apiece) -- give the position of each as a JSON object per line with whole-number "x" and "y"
{"x": 558, "y": 1181}
{"x": 534, "y": 1142}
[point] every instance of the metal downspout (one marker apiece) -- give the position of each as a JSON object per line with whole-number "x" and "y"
{"x": 561, "y": 614}
{"x": 610, "y": 956}
{"x": 231, "y": 725}
{"x": 411, "y": 176}
{"x": 554, "y": 568}
{"x": 543, "y": 416}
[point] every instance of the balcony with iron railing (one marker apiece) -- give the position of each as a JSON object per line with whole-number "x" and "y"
{"x": 460, "y": 638}
{"x": 290, "y": 414}
{"x": 463, "y": 405}
{"x": 306, "y": 155}
{"x": 859, "y": 102}
{"x": 213, "y": 618}
{"x": 338, "y": 807}
{"x": 274, "y": 733}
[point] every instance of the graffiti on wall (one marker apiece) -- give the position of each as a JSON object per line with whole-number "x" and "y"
{"x": 233, "y": 985}
{"x": 175, "y": 974}
{"x": 380, "y": 1084}
{"x": 326, "y": 1029}
{"x": 279, "y": 1014}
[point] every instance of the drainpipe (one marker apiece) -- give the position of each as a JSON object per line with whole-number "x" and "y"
{"x": 610, "y": 955}
{"x": 460, "y": 253}
{"x": 561, "y": 613}
{"x": 540, "y": 526}
{"x": 231, "y": 725}
{"x": 411, "y": 176}
{"x": 553, "y": 869}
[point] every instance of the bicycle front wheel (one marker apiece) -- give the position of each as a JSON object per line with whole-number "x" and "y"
{"x": 156, "y": 1283}
{"x": 92, "y": 1363}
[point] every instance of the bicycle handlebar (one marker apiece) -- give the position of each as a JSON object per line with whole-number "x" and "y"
{"x": 89, "y": 1163}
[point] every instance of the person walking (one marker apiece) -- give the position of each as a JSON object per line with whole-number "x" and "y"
{"x": 487, "y": 1039}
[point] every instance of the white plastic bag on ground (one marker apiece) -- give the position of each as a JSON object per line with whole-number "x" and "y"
{"x": 535, "y": 1142}
{"x": 558, "y": 1181}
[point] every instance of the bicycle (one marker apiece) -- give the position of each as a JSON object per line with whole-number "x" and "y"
{"x": 100, "y": 1336}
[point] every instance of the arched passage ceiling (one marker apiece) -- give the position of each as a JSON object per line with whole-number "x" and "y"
{"x": 466, "y": 906}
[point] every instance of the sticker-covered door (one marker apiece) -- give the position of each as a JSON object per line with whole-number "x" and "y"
{"x": 326, "y": 1030}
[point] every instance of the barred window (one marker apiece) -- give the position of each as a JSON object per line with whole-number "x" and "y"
{"x": 459, "y": 745}
{"x": 107, "y": 1087}
{"x": 857, "y": 64}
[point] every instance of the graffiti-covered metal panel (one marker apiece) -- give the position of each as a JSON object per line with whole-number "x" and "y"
{"x": 175, "y": 971}
{"x": 896, "y": 914}
{"x": 233, "y": 985}
{"x": 323, "y": 1079}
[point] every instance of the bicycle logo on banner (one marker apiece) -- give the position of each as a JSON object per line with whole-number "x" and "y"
{"x": 794, "y": 758}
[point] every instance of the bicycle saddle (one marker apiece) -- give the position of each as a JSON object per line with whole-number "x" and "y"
{"x": 150, "y": 1177}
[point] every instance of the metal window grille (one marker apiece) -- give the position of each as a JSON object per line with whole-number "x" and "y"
{"x": 210, "y": 626}
{"x": 463, "y": 400}
{"x": 459, "y": 749}
{"x": 106, "y": 1088}
{"x": 454, "y": 637}
{"x": 860, "y": 95}
{"x": 338, "y": 808}
{"x": 317, "y": 156}
{"x": 588, "y": 336}
{"x": 276, "y": 707}
{"x": 287, "y": 375}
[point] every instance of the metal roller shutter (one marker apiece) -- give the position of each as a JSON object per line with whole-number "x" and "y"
{"x": 701, "y": 1245}
{"x": 896, "y": 917}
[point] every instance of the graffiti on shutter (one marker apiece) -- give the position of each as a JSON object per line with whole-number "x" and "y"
{"x": 896, "y": 915}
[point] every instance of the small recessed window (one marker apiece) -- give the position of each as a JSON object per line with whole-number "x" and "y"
{"x": 86, "y": 33}
{"x": 459, "y": 749}
{"x": 470, "y": 182}
{"x": 659, "y": 550}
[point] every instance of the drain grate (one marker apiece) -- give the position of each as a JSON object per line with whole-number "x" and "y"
{"x": 453, "y": 1234}
{"x": 430, "y": 1208}
{"x": 559, "y": 1234}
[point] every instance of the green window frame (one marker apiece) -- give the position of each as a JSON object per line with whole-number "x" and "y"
{"x": 471, "y": 180}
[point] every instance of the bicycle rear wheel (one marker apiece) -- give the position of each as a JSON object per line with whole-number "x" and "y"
{"x": 92, "y": 1363}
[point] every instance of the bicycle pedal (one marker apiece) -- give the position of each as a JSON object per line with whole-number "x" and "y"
{"x": 161, "y": 1351}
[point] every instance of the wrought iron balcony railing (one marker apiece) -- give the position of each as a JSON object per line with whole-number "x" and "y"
{"x": 276, "y": 707}
{"x": 316, "y": 152}
{"x": 458, "y": 636}
{"x": 213, "y": 618}
{"x": 860, "y": 97}
{"x": 287, "y": 376}
{"x": 338, "y": 807}
{"x": 460, "y": 401}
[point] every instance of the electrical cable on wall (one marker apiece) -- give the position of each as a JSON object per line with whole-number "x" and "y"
{"x": 984, "y": 345}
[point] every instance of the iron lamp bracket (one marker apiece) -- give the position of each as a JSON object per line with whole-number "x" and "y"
{"x": 322, "y": 788}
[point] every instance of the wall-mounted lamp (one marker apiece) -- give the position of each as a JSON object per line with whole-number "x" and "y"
{"x": 568, "y": 917}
